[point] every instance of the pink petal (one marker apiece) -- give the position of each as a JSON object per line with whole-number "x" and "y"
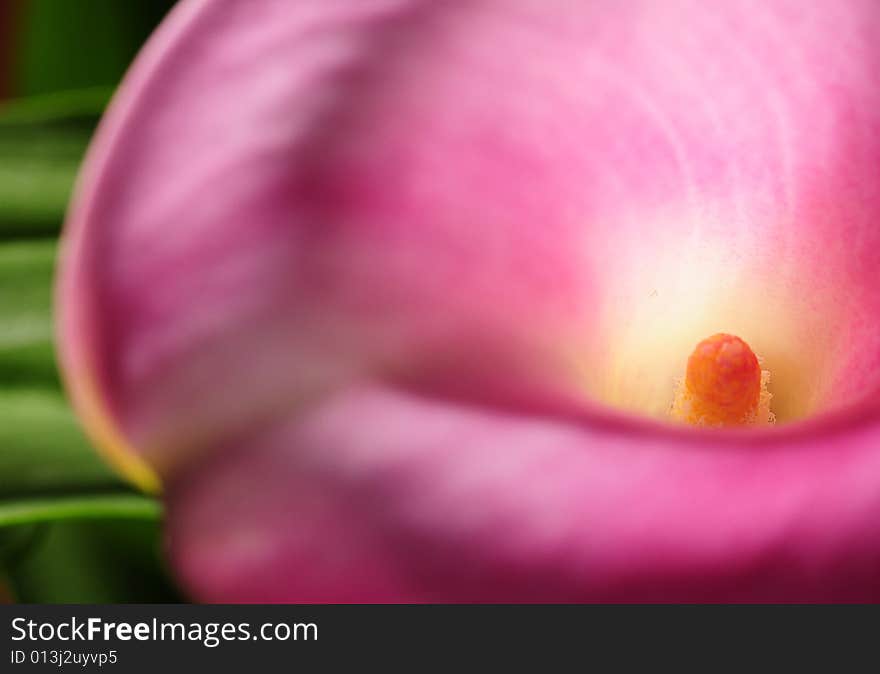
{"x": 204, "y": 286}
{"x": 377, "y": 495}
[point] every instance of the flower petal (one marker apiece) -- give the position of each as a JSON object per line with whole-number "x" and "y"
{"x": 377, "y": 495}
{"x": 280, "y": 201}
{"x": 204, "y": 285}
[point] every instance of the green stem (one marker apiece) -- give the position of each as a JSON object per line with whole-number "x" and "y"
{"x": 98, "y": 506}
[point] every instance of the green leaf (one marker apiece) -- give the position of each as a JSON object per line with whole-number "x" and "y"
{"x": 43, "y": 451}
{"x": 93, "y": 562}
{"x": 66, "y": 44}
{"x": 26, "y": 351}
{"x": 16, "y": 542}
{"x": 70, "y": 107}
{"x": 70, "y": 528}
{"x": 42, "y": 142}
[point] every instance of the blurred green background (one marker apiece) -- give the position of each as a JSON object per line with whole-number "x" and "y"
{"x": 70, "y": 530}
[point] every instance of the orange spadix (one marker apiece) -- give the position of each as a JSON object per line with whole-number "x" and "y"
{"x": 723, "y": 386}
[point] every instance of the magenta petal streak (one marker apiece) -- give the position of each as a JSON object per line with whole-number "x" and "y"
{"x": 363, "y": 280}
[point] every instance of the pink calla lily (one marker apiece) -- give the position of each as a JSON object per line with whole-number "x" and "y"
{"x": 390, "y": 295}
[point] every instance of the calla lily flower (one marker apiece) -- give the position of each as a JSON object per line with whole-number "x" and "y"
{"x": 390, "y": 296}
